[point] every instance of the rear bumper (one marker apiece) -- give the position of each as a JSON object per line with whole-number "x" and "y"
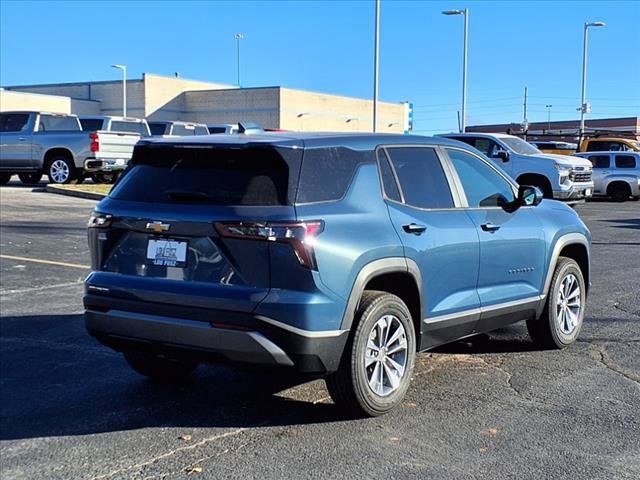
{"x": 110, "y": 165}
{"x": 242, "y": 338}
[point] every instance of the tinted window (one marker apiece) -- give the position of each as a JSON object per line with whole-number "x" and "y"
{"x": 157, "y": 128}
{"x": 91, "y": 124}
{"x": 600, "y": 161}
{"x": 183, "y": 130}
{"x": 202, "y": 130}
{"x": 482, "y": 185}
{"x": 625, "y": 161}
{"x": 213, "y": 130}
{"x": 56, "y": 123}
{"x": 389, "y": 183}
{"x": 13, "y": 122}
{"x": 252, "y": 176}
{"x": 486, "y": 146}
{"x": 421, "y": 177}
{"x": 133, "y": 127}
{"x": 327, "y": 172}
{"x": 606, "y": 146}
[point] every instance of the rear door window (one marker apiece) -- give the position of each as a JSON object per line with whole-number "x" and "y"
{"x": 600, "y": 161}
{"x": 421, "y": 176}
{"x": 13, "y": 122}
{"x": 58, "y": 123}
{"x": 625, "y": 161}
{"x": 215, "y": 176}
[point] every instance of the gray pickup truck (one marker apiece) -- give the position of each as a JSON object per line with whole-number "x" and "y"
{"x": 37, "y": 143}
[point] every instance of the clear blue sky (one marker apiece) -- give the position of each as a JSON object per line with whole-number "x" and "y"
{"x": 328, "y": 46}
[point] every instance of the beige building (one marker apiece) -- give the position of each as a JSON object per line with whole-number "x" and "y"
{"x": 158, "y": 97}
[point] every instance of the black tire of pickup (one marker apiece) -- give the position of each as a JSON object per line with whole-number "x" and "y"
{"x": 30, "y": 178}
{"x": 101, "y": 178}
{"x": 4, "y": 178}
{"x": 160, "y": 369}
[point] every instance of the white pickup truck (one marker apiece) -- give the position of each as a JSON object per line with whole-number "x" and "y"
{"x": 562, "y": 177}
{"x": 37, "y": 143}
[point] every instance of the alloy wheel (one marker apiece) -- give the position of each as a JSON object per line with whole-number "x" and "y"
{"x": 59, "y": 171}
{"x": 568, "y": 304}
{"x": 386, "y": 355}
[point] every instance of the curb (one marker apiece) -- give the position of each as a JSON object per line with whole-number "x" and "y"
{"x": 74, "y": 193}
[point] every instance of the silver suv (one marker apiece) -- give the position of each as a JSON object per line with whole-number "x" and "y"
{"x": 615, "y": 174}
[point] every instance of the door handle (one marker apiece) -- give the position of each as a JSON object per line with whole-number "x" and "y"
{"x": 414, "y": 228}
{"x": 22, "y": 139}
{"x": 489, "y": 227}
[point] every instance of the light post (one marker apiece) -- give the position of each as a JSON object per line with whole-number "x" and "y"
{"x": 548, "y": 107}
{"x": 354, "y": 119}
{"x": 376, "y": 48}
{"x": 464, "y": 12}
{"x": 301, "y": 116}
{"x": 583, "y": 103}
{"x": 238, "y": 37}
{"x": 124, "y": 87}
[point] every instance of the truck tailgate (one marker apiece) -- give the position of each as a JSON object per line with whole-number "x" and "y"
{"x": 116, "y": 145}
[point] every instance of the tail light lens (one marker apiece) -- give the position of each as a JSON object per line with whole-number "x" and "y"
{"x": 300, "y": 235}
{"x": 95, "y": 142}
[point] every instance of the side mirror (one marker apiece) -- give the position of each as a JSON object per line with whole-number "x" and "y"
{"x": 529, "y": 196}
{"x": 502, "y": 155}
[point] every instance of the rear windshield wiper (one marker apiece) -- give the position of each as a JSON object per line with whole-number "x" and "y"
{"x": 187, "y": 196}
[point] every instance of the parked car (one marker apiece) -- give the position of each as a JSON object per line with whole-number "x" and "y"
{"x": 558, "y": 176}
{"x": 33, "y": 143}
{"x": 224, "y": 128}
{"x": 106, "y": 123}
{"x": 177, "y": 129}
{"x": 558, "y": 148}
{"x": 615, "y": 174}
{"x": 609, "y": 144}
{"x": 336, "y": 255}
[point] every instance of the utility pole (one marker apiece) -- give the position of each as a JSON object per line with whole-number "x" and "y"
{"x": 525, "y": 122}
{"x": 238, "y": 37}
{"x": 584, "y": 106}
{"x": 548, "y": 107}
{"x": 376, "y": 49}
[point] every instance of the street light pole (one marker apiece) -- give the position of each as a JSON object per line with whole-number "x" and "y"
{"x": 376, "y": 49}
{"x": 124, "y": 87}
{"x": 583, "y": 102}
{"x": 548, "y": 107}
{"x": 238, "y": 37}
{"x": 465, "y": 12}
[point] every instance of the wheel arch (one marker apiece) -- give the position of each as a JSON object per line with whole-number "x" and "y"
{"x": 537, "y": 180}
{"x": 396, "y": 275}
{"x": 53, "y": 152}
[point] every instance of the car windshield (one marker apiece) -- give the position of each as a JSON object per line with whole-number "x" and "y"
{"x": 520, "y": 146}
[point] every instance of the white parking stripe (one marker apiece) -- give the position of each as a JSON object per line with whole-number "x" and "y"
{"x": 45, "y": 262}
{"x": 38, "y": 289}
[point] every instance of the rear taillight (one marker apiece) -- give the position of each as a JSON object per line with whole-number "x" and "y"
{"x": 300, "y": 235}
{"x": 95, "y": 142}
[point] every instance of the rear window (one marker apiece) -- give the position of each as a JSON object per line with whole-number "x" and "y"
{"x": 214, "y": 130}
{"x": 184, "y": 130}
{"x": 57, "y": 123}
{"x": 133, "y": 127}
{"x": 157, "y": 128}
{"x": 91, "y": 124}
{"x": 327, "y": 172}
{"x": 259, "y": 176}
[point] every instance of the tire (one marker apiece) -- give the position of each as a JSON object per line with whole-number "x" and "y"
{"x": 109, "y": 178}
{"x": 162, "y": 370}
{"x": 4, "y": 178}
{"x": 619, "y": 192}
{"x": 560, "y": 322}
{"x": 30, "y": 178}
{"x": 354, "y": 387}
{"x": 61, "y": 170}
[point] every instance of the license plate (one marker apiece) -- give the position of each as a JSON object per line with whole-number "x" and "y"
{"x": 587, "y": 192}
{"x": 167, "y": 253}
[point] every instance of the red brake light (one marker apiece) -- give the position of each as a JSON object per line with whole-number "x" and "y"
{"x": 95, "y": 142}
{"x": 300, "y": 235}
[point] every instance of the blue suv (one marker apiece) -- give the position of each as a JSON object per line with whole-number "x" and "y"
{"x": 339, "y": 256}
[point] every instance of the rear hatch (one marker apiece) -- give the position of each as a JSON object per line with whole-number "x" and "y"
{"x": 178, "y": 226}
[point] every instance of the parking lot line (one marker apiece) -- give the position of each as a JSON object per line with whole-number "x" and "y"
{"x": 39, "y": 289}
{"x": 45, "y": 262}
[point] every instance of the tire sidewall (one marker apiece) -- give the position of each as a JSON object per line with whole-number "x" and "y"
{"x": 369, "y": 401}
{"x": 567, "y": 266}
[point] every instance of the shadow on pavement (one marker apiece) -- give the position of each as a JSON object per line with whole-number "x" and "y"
{"x": 625, "y": 223}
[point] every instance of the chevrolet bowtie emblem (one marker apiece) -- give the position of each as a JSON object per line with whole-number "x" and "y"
{"x": 158, "y": 227}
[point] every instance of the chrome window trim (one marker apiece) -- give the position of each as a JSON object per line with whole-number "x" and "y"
{"x": 479, "y": 311}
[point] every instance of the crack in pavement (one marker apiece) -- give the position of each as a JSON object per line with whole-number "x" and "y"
{"x": 170, "y": 453}
{"x": 618, "y": 307}
{"x": 604, "y": 360}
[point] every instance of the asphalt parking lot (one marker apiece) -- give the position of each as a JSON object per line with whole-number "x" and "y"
{"x": 493, "y": 407}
